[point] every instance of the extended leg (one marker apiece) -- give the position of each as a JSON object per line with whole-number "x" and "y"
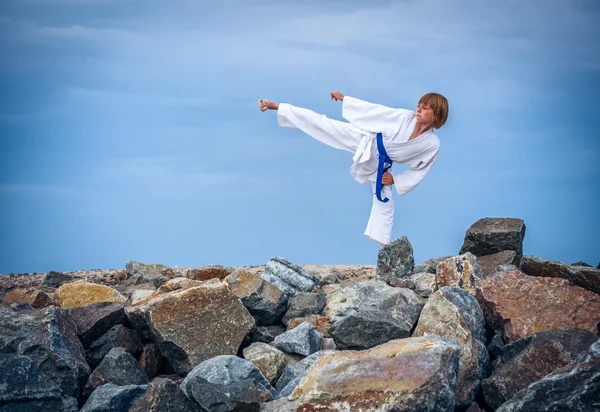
{"x": 381, "y": 220}
{"x": 340, "y": 135}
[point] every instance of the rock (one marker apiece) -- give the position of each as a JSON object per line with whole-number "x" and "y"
{"x": 329, "y": 279}
{"x": 585, "y": 277}
{"x": 328, "y": 343}
{"x": 238, "y": 396}
{"x": 48, "y": 336}
{"x": 145, "y": 270}
{"x": 265, "y": 301}
{"x": 139, "y": 295}
{"x": 474, "y": 408}
{"x": 370, "y": 313}
{"x": 424, "y": 283}
{"x": 151, "y": 360}
{"x": 75, "y": 294}
{"x": 192, "y": 325}
{"x": 395, "y": 260}
{"x": 320, "y": 323}
{"x": 524, "y": 305}
{"x": 429, "y": 265}
{"x": 177, "y": 284}
{"x": 113, "y": 398}
{"x": 118, "y": 367}
{"x": 401, "y": 375}
{"x": 56, "y": 279}
{"x": 23, "y": 387}
{"x": 459, "y": 271}
{"x": 489, "y": 263}
{"x": 95, "y": 319}
{"x": 293, "y": 373}
{"x": 302, "y": 340}
{"x": 228, "y": 370}
{"x": 581, "y": 263}
{"x": 209, "y": 272}
{"x": 528, "y": 360}
{"x": 496, "y": 344}
{"x": 269, "y": 360}
{"x": 492, "y": 235}
{"x": 402, "y": 283}
{"x": 572, "y": 388}
{"x": 288, "y": 277}
{"x": 36, "y": 299}
{"x": 505, "y": 268}
{"x": 266, "y": 334}
{"x": 164, "y": 395}
{"x": 305, "y": 304}
{"x": 280, "y": 405}
{"x": 454, "y": 314}
{"x": 117, "y": 337}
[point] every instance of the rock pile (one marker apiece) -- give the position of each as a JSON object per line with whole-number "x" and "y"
{"x": 486, "y": 329}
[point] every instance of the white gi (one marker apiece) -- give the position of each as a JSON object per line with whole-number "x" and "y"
{"x": 359, "y": 137}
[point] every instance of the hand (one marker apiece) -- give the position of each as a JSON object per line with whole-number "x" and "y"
{"x": 336, "y": 96}
{"x": 387, "y": 179}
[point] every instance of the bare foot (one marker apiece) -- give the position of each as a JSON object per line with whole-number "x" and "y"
{"x": 267, "y": 105}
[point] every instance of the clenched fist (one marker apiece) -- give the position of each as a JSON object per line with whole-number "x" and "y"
{"x": 336, "y": 96}
{"x": 387, "y": 179}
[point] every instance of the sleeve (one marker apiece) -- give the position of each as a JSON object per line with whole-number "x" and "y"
{"x": 411, "y": 177}
{"x": 373, "y": 117}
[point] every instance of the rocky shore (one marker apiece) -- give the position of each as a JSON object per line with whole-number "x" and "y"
{"x": 487, "y": 329}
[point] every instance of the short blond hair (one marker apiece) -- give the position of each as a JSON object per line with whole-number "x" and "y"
{"x": 439, "y": 105}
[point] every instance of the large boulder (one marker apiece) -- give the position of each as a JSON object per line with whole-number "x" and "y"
{"x": 49, "y": 337}
{"x": 95, "y": 319}
{"x": 302, "y": 340}
{"x": 401, "y": 375}
{"x": 461, "y": 271}
{"x": 75, "y": 294}
{"x": 113, "y": 398}
{"x": 118, "y": 367}
{"x": 289, "y": 277}
{"x": 265, "y": 301}
{"x": 524, "y": 305}
{"x": 269, "y": 360}
{"x": 529, "y": 359}
{"x": 370, "y": 313}
{"x": 492, "y": 235}
{"x": 583, "y": 276}
{"x": 572, "y": 388}
{"x": 23, "y": 387}
{"x": 192, "y": 325}
{"x": 454, "y": 314}
{"x": 395, "y": 260}
{"x": 164, "y": 395}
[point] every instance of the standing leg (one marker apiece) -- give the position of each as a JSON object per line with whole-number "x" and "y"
{"x": 340, "y": 135}
{"x": 381, "y": 220}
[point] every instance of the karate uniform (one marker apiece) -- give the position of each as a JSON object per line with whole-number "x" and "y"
{"x": 359, "y": 137}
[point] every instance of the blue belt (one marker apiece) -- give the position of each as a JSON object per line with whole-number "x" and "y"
{"x": 384, "y": 164}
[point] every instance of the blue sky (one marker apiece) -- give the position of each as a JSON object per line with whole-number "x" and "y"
{"x": 129, "y": 130}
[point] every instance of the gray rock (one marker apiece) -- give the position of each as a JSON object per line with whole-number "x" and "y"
{"x": 238, "y": 396}
{"x": 305, "y": 304}
{"x": 395, "y": 260}
{"x": 23, "y": 387}
{"x": 266, "y": 334}
{"x": 227, "y": 369}
{"x": 529, "y": 359}
{"x": 117, "y": 336}
{"x": 585, "y": 277}
{"x": 492, "y": 235}
{"x": 454, "y": 314}
{"x": 302, "y": 340}
{"x": 292, "y": 374}
{"x": 113, "y": 398}
{"x": 496, "y": 344}
{"x": 289, "y": 277}
{"x": 429, "y": 265}
{"x": 48, "y": 336}
{"x": 145, "y": 270}
{"x": 281, "y": 405}
{"x": 581, "y": 263}
{"x": 164, "y": 395}
{"x": 117, "y": 367}
{"x": 572, "y": 388}
{"x": 370, "y": 313}
{"x": 505, "y": 268}
{"x": 96, "y": 319}
{"x": 424, "y": 284}
{"x": 489, "y": 263}
{"x": 56, "y": 279}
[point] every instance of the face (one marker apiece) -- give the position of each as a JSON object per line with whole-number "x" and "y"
{"x": 424, "y": 114}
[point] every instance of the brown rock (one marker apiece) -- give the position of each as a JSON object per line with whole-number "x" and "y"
{"x": 398, "y": 375}
{"x": 523, "y": 305}
{"x": 492, "y": 235}
{"x": 461, "y": 271}
{"x": 490, "y": 262}
{"x": 320, "y": 323}
{"x": 36, "y": 298}
{"x": 151, "y": 360}
{"x": 195, "y": 324}
{"x": 209, "y": 272}
{"x": 586, "y": 277}
{"x": 75, "y": 294}
{"x": 177, "y": 284}
{"x": 269, "y": 360}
